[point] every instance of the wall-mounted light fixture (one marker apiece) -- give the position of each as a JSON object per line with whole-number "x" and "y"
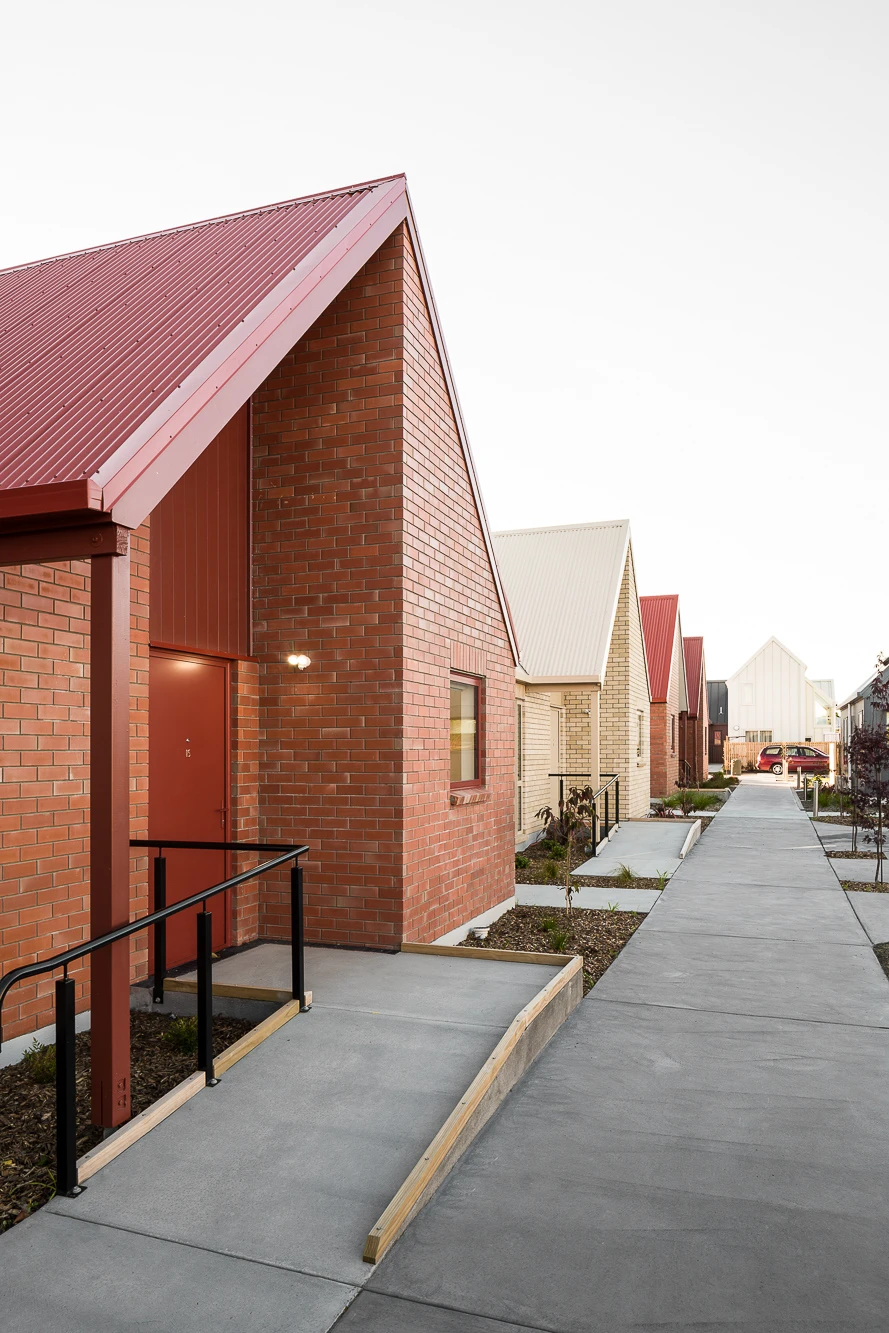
{"x": 299, "y": 660}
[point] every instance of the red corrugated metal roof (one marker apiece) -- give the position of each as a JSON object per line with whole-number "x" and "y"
{"x": 93, "y": 342}
{"x": 693, "y": 647}
{"x": 659, "y": 628}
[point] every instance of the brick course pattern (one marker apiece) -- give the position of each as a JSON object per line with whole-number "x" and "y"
{"x": 44, "y": 786}
{"x": 624, "y": 700}
{"x": 665, "y": 725}
{"x": 368, "y": 555}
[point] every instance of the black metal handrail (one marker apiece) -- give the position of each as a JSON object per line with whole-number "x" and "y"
{"x": 66, "y": 1103}
{"x": 604, "y": 790}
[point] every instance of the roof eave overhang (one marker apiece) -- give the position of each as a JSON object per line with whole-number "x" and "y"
{"x": 528, "y": 679}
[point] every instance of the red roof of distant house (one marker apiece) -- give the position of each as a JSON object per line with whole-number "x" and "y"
{"x": 106, "y": 354}
{"x": 659, "y": 628}
{"x": 693, "y": 648}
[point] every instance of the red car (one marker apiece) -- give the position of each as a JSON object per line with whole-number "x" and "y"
{"x": 802, "y": 758}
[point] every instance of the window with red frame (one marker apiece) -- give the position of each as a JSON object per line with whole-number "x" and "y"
{"x": 466, "y": 695}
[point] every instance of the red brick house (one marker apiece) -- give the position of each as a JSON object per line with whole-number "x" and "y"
{"x": 222, "y": 446}
{"x": 697, "y": 725}
{"x": 662, "y": 629}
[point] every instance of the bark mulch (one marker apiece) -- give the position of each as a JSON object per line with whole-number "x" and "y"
{"x": 597, "y": 937}
{"x": 863, "y": 886}
{"x": 853, "y": 856}
{"x": 834, "y": 819}
{"x": 28, "y": 1109}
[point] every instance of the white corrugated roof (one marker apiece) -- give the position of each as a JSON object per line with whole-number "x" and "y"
{"x": 563, "y": 585}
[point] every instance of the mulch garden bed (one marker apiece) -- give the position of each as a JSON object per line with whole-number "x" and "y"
{"x": 882, "y": 952}
{"x": 834, "y": 819}
{"x": 539, "y": 857}
{"x": 28, "y": 1109}
{"x": 853, "y": 856}
{"x": 863, "y": 886}
{"x": 597, "y": 937}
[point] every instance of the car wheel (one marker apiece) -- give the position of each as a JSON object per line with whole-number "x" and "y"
{"x": 777, "y": 769}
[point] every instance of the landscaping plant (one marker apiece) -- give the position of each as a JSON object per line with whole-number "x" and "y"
{"x": 182, "y": 1035}
{"x": 625, "y": 875}
{"x": 869, "y": 758}
{"x": 40, "y": 1062}
{"x": 690, "y": 801}
{"x": 522, "y": 862}
{"x": 574, "y": 823}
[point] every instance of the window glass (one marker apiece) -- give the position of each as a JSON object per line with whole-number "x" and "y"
{"x": 773, "y": 749}
{"x": 464, "y": 732}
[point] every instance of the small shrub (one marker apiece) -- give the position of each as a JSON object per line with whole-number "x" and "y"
{"x": 719, "y": 781}
{"x": 522, "y": 862}
{"x": 662, "y": 878}
{"x": 182, "y": 1035}
{"x": 558, "y": 852}
{"x": 547, "y": 844}
{"x": 625, "y": 875}
{"x": 40, "y": 1062}
{"x": 551, "y": 872}
{"x": 690, "y": 801}
{"x": 558, "y": 939}
{"x": 548, "y": 923}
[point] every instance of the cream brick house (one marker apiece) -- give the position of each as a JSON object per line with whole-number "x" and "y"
{"x": 582, "y": 691}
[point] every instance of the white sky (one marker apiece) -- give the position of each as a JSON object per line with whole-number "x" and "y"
{"x": 657, "y": 231}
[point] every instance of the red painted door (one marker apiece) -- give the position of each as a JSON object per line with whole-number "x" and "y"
{"x": 188, "y": 786}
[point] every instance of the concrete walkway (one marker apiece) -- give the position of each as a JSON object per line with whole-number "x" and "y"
{"x": 703, "y": 1145}
{"x": 248, "y": 1209}
{"x": 650, "y": 847}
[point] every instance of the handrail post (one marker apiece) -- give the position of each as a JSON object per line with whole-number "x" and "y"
{"x": 66, "y": 1093}
{"x": 205, "y": 997}
{"x": 595, "y": 830}
{"x": 617, "y": 800}
{"x": 297, "y": 937}
{"x": 606, "y": 813}
{"x": 160, "y": 927}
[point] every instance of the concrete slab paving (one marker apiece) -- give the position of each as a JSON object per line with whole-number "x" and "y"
{"x": 550, "y": 895}
{"x": 647, "y": 846}
{"x": 864, "y": 871}
{"x": 703, "y": 1143}
{"x": 872, "y": 910}
{"x": 715, "y": 1203}
{"x": 776, "y": 978}
{"x": 284, "y": 1166}
{"x": 759, "y": 913}
{"x": 77, "y": 1277}
{"x": 374, "y": 1313}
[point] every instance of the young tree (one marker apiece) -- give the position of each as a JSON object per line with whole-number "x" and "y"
{"x": 575, "y": 820}
{"x": 869, "y": 757}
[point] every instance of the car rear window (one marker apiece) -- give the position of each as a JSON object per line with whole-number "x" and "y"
{"x": 772, "y": 749}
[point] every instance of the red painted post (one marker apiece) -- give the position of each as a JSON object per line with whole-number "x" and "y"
{"x": 110, "y": 834}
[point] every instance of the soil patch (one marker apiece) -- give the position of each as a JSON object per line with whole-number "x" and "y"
{"x": 882, "y": 952}
{"x": 28, "y": 1109}
{"x": 853, "y": 856}
{"x": 846, "y": 820}
{"x": 863, "y": 886}
{"x": 597, "y": 937}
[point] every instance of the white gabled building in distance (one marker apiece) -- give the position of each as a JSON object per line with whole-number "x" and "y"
{"x": 770, "y": 698}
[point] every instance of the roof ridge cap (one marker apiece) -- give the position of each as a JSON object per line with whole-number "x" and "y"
{"x": 359, "y": 188}
{"x": 564, "y": 527}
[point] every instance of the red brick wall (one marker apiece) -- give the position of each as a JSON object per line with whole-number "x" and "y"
{"x": 368, "y": 556}
{"x": 44, "y": 787}
{"x": 459, "y": 860}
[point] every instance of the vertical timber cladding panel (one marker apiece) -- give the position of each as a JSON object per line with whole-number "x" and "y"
{"x": 538, "y": 708}
{"x": 44, "y": 796}
{"x": 624, "y": 696}
{"x": 200, "y": 557}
